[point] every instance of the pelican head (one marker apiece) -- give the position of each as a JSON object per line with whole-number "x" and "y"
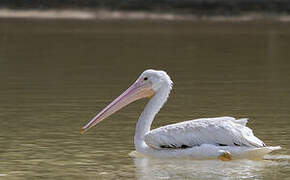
{"x": 146, "y": 86}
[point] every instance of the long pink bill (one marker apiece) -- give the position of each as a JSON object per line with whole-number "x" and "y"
{"x": 133, "y": 93}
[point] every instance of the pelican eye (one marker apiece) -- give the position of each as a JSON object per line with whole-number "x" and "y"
{"x": 145, "y": 78}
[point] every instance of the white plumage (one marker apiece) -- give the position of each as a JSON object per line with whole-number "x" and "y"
{"x": 221, "y": 137}
{"x": 220, "y": 131}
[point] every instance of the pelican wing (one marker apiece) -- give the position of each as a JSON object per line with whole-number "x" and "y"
{"x": 220, "y": 131}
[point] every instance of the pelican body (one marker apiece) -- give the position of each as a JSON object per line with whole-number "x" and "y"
{"x": 225, "y": 138}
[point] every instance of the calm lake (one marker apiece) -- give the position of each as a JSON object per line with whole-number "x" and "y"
{"x": 55, "y": 75}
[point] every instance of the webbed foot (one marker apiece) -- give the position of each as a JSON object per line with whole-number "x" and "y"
{"x": 225, "y": 156}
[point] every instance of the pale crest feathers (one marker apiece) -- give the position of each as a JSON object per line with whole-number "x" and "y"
{"x": 158, "y": 78}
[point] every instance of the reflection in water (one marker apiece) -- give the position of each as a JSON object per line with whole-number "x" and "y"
{"x": 54, "y": 75}
{"x": 148, "y": 168}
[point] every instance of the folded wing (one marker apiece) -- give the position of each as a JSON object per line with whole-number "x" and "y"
{"x": 221, "y": 131}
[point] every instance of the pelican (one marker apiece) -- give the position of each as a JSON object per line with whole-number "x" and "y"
{"x": 222, "y": 138}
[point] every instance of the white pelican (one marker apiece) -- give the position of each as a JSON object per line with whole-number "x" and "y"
{"x": 207, "y": 138}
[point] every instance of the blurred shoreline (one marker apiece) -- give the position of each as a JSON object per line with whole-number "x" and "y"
{"x": 194, "y": 7}
{"x": 134, "y": 15}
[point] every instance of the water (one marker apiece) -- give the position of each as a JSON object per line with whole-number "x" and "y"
{"x": 56, "y": 74}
